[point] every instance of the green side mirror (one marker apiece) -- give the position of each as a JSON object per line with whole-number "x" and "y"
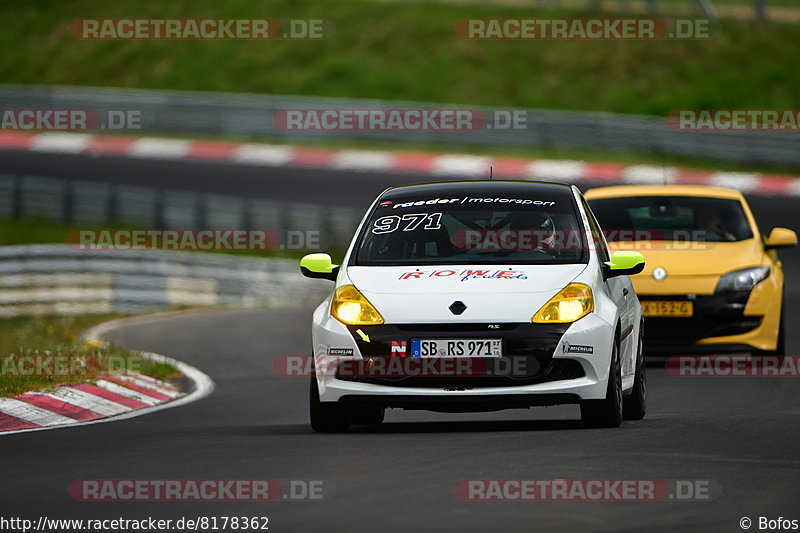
{"x": 319, "y": 266}
{"x": 624, "y": 263}
{"x": 780, "y": 238}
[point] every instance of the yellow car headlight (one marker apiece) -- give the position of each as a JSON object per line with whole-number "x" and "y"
{"x": 351, "y": 307}
{"x": 574, "y": 302}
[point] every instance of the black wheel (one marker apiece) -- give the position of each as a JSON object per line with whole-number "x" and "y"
{"x": 369, "y": 416}
{"x": 606, "y": 413}
{"x": 326, "y": 417}
{"x": 634, "y": 406}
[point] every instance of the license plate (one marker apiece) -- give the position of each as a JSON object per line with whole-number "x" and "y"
{"x": 456, "y": 347}
{"x": 679, "y": 309}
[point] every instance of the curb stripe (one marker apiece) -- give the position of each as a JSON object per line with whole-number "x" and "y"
{"x": 160, "y": 148}
{"x": 510, "y": 167}
{"x": 108, "y": 395}
{"x": 82, "y": 404}
{"x": 146, "y": 392}
{"x": 74, "y": 396}
{"x": 462, "y": 165}
{"x": 127, "y": 392}
{"x": 10, "y": 423}
{"x": 312, "y": 157}
{"x": 59, "y": 406}
{"x": 263, "y": 154}
{"x": 17, "y": 141}
{"x": 148, "y": 386}
{"x": 159, "y": 384}
{"x": 31, "y": 413}
{"x": 449, "y": 165}
{"x": 68, "y": 143}
{"x": 110, "y": 145}
{"x": 212, "y": 150}
{"x": 412, "y": 162}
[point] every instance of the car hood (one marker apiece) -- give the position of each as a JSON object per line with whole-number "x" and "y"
{"x": 689, "y": 268}
{"x": 695, "y": 258}
{"x": 504, "y": 293}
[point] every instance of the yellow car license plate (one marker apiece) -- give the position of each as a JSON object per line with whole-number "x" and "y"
{"x": 668, "y": 308}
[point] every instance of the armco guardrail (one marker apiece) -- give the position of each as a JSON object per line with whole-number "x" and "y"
{"x": 252, "y": 116}
{"x": 299, "y": 226}
{"x": 56, "y": 280}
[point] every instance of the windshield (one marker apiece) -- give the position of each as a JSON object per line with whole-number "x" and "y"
{"x": 466, "y": 230}
{"x": 672, "y": 218}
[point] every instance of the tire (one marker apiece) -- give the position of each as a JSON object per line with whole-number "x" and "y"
{"x": 369, "y": 416}
{"x": 634, "y": 406}
{"x": 326, "y": 417}
{"x": 606, "y": 413}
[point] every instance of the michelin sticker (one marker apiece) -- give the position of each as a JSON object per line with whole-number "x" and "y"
{"x": 577, "y": 348}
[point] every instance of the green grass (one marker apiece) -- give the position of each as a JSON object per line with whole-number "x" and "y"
{"x": 407, "y": 51}
{"x": 718, "y": 3}
{"x": 26, "y": 340}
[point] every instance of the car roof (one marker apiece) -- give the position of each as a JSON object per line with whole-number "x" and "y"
{"x": 662, "y": 190}
{"x": 478, "y": 188}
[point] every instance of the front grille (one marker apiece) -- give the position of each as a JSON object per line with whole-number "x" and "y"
{"x": 715, "y": 315}
{"x": 529, "y": 346}
{"x": 557, "y": 370}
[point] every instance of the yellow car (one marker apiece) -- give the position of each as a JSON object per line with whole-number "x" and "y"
{"x": 713, "y": 283}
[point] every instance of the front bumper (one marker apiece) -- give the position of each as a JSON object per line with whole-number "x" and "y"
{"x": 546, "y": 366}
{"x": 720, "y": 323}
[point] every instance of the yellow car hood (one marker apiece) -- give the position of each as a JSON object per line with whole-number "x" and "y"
{"x": 693, "y": 267}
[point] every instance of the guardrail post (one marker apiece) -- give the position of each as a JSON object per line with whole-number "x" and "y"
{"x": 200, "y": 212}
{"x": 112, "y": 204}
{"x": 326, "y": 237}
{"x": 159, "y": 210}
{"x": 761, "y": 10}
{"x": 67, "y": 202}
{"x": 16, "y": 197}
{"x": 708, "y": 9}
{"x": 246, "y": 214}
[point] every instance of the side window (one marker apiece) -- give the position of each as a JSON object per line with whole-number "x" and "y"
{"x": 597, "y": 235}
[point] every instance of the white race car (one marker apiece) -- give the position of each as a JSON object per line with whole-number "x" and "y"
{"x": 477, "y": 296}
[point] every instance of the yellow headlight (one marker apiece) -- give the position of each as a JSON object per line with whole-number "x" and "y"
{"x": 574, "y": 302}
{"x": 350, "y": 307}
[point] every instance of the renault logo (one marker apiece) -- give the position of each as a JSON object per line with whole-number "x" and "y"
{"x": 659, "y": 273}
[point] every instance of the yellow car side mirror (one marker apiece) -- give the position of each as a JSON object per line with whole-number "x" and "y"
{"x": 319, "y": 266}
{"x": 781, "y": 238}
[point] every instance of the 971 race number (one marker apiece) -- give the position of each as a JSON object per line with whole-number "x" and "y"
{"x": 456, "y": 347}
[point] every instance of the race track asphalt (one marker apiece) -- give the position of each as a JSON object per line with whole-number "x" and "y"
{"x": 741, "y": 435}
